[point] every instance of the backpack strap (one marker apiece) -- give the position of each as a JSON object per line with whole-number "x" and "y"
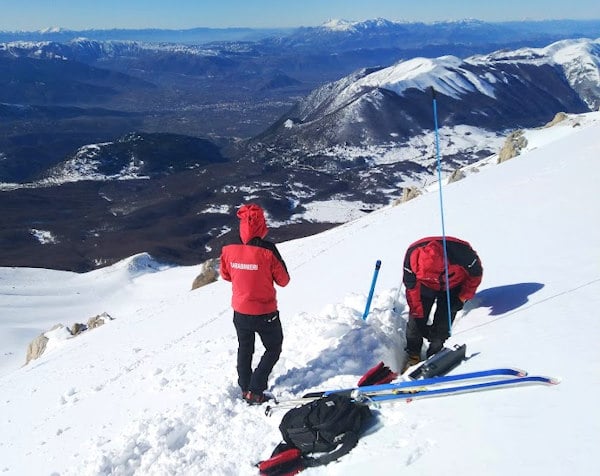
{"x": 285, "y": 461}
{"x": 349, "y": 441}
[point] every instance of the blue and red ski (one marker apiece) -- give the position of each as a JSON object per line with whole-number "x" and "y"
{"x": 482, "y": 374}
{"x": 428, "y": 387}
{"x": 411, "y": 393}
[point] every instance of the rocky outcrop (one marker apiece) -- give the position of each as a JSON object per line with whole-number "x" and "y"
{"x": 559, "y": 117}
{"x": 208, "y": 274}
{"x": 512, "y": 147}
{"x": 36, "y": 348}
{"x": 408, "y": 193}
{"x": 98, "y": 320}
{"x": 457, "y": 175}
{"x": 38, "y": 345}
{"x": 77, "y": 328}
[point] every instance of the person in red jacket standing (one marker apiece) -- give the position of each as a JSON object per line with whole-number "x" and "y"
{"x": 425, "y": 281}
{"x": 253, "y": 266}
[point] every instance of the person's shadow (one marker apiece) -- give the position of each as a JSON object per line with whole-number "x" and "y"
{"x": 503, "y": 299}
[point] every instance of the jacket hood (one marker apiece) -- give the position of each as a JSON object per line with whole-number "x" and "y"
{"x": 252, "y": 222}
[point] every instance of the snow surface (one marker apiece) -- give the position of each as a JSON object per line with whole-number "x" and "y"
{"x": 153, "y": 392}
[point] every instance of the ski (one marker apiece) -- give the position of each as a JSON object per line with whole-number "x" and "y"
{"x": 491, "y": 373}
{"x": 371, "y": 391}
{"x": 423, "y": 392}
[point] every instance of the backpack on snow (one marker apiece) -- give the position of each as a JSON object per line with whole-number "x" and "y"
{"x": 329, "y": 425}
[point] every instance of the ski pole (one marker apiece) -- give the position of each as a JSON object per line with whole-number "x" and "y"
{"x": 439, "y": 172}
{"x": 375, "y": 273}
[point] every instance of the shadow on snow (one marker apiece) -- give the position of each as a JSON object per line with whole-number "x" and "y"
{"x": 503, "y": 299}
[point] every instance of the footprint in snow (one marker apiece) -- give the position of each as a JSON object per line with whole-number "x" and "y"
{"x": 419, "y": 452}
{"x": 69, "y": 397}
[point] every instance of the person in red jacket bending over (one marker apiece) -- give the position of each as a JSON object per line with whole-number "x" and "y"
{"x": 425, "y": 281}
{"x": 252, "y": 266}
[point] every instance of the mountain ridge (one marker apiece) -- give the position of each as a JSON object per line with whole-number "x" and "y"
{"x": 479, "y": 91}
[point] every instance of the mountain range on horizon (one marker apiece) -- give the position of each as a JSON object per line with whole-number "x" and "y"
{"x": 382, "y": 26}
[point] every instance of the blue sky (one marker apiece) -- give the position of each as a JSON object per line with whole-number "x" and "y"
{"x": 176, "y": 14}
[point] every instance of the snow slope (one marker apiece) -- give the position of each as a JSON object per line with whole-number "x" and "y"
{"x": 153, "y": 392}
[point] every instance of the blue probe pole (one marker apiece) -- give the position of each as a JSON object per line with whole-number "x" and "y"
{"x": 439, "y": 171}
{"x": 370, "y": 298}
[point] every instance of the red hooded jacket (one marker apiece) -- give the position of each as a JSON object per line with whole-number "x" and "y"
{"x": 253, "y": 266}
{"x": 424, "y": 268}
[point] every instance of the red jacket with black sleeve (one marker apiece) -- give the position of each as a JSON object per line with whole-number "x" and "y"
{"x": 253, "y": 268}
{"x": 424, "y": 268}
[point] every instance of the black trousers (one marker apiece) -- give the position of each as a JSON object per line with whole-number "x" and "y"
{"x": 437, "y": 332}
{"x": 268, "y": 328}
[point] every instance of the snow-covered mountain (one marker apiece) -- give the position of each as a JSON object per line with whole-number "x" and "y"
{"x": 86, "y": 50}
{"x": 153, "y": 35}
{"x": 339, "y": 35}
{"x": 153, "y": 392}
{"x": 506, "y": 89}
{"x": 579, "y": 61}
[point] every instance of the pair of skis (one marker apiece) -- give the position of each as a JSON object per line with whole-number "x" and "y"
{"x": 428, "y": 387}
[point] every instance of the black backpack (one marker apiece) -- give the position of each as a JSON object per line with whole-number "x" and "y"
{"x": 323, "y": 425}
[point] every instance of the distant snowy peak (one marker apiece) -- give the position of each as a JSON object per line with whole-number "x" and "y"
{"x": 338, "y": 25}
{"x": 85, "y": 49}
{"x": 53, "y": 29}
{"x": 504, "y": 90}
{"x": 75, "y": 49}
{"x": 579, "y": 60}
{"x": 559, "y": 52}
{"x": 449, "y": 75}
{"x": 356, "y": 26}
